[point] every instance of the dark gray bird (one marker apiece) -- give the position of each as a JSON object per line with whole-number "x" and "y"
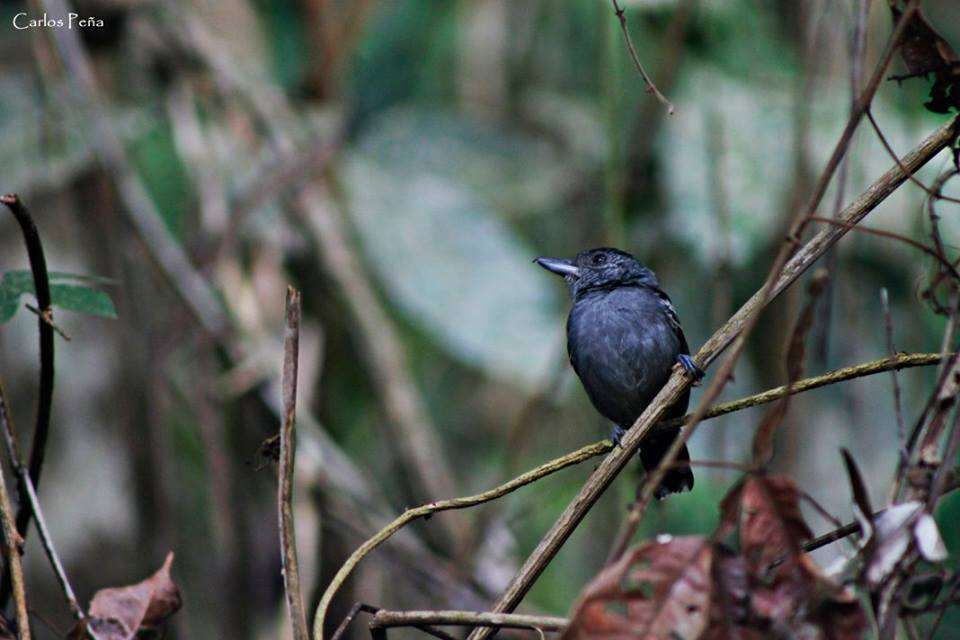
{"x": 623, "y": 338}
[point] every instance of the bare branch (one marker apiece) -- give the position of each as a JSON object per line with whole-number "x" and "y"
{"x": 41, "y": 430}
{"x": 651, "y": 88}
{"x": 894, "y": 378}
{"x": 13, "y": 545}
{"x": 384, "y": 619}
{"x": 288, "y": 539}
{"x": 33, "y": 505}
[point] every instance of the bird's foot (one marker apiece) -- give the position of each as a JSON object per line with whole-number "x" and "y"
{"x": 617, "y": 434}
{"x": 695, "y": 372}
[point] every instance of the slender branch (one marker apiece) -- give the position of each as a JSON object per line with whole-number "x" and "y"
{"x": 800, "y": 261}
{"x": 384, "y": 619}
{"x": 894, "y": 378}
{"x": 41, "y": 432}
{"x": 944, "y": 263}
{"x": 354, "y": 610}
{"x": 651, "y": 88}
{"x": 33, "y": 504}
{"x": 893, "y": 363}
{"x": 899, "y": 361}
{"x": 893, "y": 154}
{"x": 12, "y": 550}
{"x": 288, "y": 539}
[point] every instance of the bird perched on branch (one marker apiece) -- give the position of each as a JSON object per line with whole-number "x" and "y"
{"x": 623, "y": 338}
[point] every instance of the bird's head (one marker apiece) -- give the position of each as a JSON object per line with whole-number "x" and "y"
{"x": 602, "y": 268}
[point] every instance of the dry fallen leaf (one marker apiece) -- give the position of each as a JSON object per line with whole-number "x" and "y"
{"x": 119, "y": 613}
{"x": 657, "y": 590}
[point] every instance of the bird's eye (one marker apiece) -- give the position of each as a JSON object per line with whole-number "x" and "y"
{"x": 598, "y": 259}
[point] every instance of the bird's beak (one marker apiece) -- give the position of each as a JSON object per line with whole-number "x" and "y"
{"x": 559, "y": 266}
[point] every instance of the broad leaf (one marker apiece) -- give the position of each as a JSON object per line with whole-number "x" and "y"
{"x": 70, "y": 297}
{"x": 75, "y": 297}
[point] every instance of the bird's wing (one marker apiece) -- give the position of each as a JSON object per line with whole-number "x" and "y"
{"x": 672, "y": 317}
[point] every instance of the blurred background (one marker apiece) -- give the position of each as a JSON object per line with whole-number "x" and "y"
{"x": 401, "y": 162}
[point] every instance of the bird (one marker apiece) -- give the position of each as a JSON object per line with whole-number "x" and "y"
{"x": 623, "y": 339}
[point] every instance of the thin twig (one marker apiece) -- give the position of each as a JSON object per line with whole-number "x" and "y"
{"x": 33, "y": 505}
{"x": 900, "y": 361}
{"x": 894, "y": 378}
{"x": 13, "y": 546}
{"x": 354, "y": 610}
{"x": 48, "y": 318}
{"x": 800, "y": 261}
{"x": 892, "y": 236}
{"x": 893, "y": 154}
{"x": 288, "y": 539}
{"x": 385, "y": 619}
{"x": 651, "y": 88}
{"x": 41, "y": 431}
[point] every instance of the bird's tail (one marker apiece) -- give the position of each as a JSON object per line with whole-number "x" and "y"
{"x": 652, "y": 450}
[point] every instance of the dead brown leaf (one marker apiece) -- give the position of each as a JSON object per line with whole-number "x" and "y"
{"x": 660, "y": 589}
{"x": 730, "y": 615}
{"x": 767, "y": 510}
{"x": 924, "y": 51}
{"x": 119, "y": 613}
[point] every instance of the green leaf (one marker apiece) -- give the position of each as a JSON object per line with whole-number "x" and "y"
{"x": 16, "y": 283}
{"x": 8, "y": 306}
{"x": 70, "y": 297}
{"x": 75, "y": 297}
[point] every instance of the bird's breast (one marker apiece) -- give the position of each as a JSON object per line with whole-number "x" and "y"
{"x": 623, "y": 350}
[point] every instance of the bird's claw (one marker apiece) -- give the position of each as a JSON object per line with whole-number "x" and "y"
{"x": 617, "y": 434}
{"x": 691, "y": 368}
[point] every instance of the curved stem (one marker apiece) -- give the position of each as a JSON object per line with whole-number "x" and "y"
{"x": 41, "y": 286}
